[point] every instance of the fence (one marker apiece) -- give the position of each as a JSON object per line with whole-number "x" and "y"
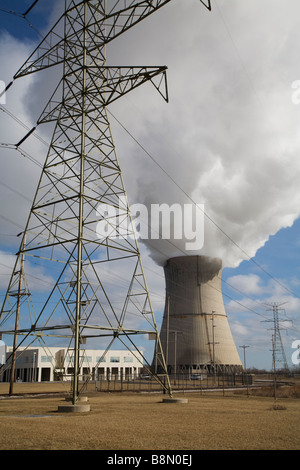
{"x": 181, "y": 383}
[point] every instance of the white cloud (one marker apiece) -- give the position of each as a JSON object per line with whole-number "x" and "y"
{"x": 247, "y": 284}
{"x": 229, "y": 134}
{"x": 239, "y": 330}
{"x": 39, "y": 280}
{"x": 19, "y": 175}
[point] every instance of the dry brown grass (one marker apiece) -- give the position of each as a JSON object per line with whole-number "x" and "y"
{"x": 133, "y": 421}
{"x": 282, "y": 391}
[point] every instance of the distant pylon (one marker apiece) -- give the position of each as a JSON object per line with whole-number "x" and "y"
{"x": 279, "y": 357}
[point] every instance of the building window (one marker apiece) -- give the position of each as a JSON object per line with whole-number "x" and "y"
{"x": 100, "y": 359}
{"x": 46, "y": 358}
{"x": 87, "y": 359}
{"x": 115, "y": 359}
{"x": 128, "y": 359}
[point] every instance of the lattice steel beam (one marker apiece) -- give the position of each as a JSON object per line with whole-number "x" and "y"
{"x": 81, "y": 181}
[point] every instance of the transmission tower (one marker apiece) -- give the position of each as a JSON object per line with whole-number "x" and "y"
{"x": 279, "y": 356}
{"x": 79, "y": 229}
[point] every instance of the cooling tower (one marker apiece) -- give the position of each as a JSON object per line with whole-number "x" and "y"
{"x": 195, "y": 332}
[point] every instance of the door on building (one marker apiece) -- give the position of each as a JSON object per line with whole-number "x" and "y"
{"x": 45, "y": 375}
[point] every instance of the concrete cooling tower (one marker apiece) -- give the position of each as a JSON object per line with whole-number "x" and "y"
{"x": 195, "y": 332}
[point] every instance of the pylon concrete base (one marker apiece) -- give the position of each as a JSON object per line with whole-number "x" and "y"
{"x": 175, "y": 400}
{"x": 77, "y": 408}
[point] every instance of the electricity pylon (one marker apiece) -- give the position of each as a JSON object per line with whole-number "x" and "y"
{"x": 277, "y": 345}
{"x": 80, "y": 229}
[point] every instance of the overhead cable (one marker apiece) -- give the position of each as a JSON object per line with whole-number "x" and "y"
{"x": 200, "y": 208}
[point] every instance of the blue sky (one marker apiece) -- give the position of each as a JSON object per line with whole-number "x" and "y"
{"x": 243, "y": 59}
{"x": 280, "y": 260}
{"x": 15, "y": 24}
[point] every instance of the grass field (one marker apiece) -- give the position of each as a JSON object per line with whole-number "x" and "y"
{"x": 138, "y": 421}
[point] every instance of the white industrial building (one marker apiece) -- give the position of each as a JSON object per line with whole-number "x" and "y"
{"x": 55, "y": 363}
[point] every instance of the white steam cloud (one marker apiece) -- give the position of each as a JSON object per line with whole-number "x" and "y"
{"x": 229, "y": 137}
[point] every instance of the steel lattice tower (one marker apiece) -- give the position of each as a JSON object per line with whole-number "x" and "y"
{"x": 80, "y": 187}
{"x": 278, "y": 352}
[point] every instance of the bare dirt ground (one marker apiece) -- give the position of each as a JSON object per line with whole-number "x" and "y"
{"x": 140, "y": 421}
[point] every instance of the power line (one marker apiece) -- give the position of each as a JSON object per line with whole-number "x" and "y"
{"x": 163, "y": 170}
{"x": 167, "y": 174}
{"x": 198, "y": 207}
{"x": 10, "y": 221}
{"x": 15, "y": 191}
{"x": 17, "y": 13}
{"x": 22, "y": 152}
{"x": 9, "y": 113}
{"x": 150, "y": 156}
{"x": 24, "y": 16}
